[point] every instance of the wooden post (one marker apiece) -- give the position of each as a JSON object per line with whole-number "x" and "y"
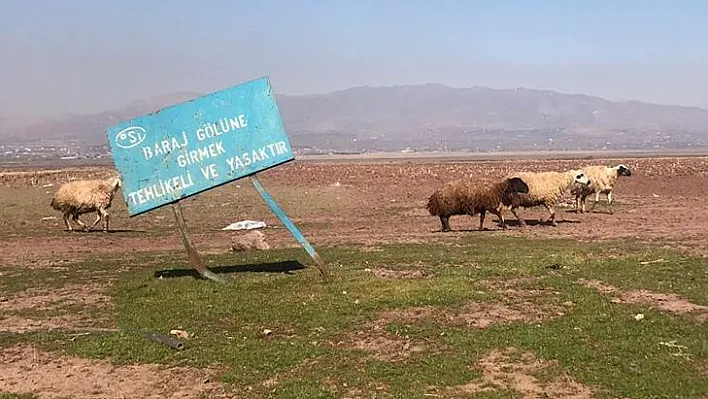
{"x": 319, "y": 263}
{"x": 194, "y": 258}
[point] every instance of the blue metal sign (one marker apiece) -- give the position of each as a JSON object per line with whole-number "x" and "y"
{"x": 192, "y": 147}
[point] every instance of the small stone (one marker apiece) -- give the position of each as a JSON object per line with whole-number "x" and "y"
{"x": 180, "y": 334}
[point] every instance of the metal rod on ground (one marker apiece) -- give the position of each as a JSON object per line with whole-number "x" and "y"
{"x": 319, "y": 263}
{"x": 194, "y": 258}
{"x": 163, "y": 339}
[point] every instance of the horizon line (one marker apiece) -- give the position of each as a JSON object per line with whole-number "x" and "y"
{"x": 325, "y": 93}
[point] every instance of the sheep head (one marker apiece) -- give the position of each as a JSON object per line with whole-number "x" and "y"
{"x": 517, "y": 185}
{"x": 580, "y": 177}
{"x": 623, "y": 170}
{"x": 116, "y": 183}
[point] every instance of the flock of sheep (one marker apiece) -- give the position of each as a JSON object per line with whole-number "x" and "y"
{"x": 468, "y": 196}
{"x": 471, "y": 196}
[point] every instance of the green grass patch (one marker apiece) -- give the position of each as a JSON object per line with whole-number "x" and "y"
{"x": 8, "y": 395}
{"x": 313, "y": 348}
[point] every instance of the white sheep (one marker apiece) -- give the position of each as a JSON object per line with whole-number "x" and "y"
{"x": 603, "y": 180}
{"x": 83, "y": 196}
{"x": 545, "y": 188}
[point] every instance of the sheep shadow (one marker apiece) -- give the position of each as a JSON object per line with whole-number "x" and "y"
{"x": 509, "y": 223}
{"x": 536, "y": 222}
{"x": 285, "y": 267}
{"x": 97, "y": 231}
{"x": 475, "y": 230}
{"x": 587, "y": 212}
{"x": 498, "y": 227}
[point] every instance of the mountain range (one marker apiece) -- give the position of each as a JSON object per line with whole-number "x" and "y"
{"x": 429, "y": 117}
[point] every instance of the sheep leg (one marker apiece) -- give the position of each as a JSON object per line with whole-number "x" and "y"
{"x": 101, "y": 214}
{"x": 66, "y": 221}
{"x": 445, "y": 221}
{"x": 609, "y": 202}
{"x": 522, "y": 222}
{"x": 481, "y": 219}
{"x": 106, "y": 217}
{"x": 78, "y": 221}
{"x": 597, "y": 199}
{"x": 582, "y": 201}
{"x": 98, "y": 219}
{"x": 552, "y": 217}
{"x": 498, "y": 213}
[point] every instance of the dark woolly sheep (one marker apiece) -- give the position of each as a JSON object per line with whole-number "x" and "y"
{"x": 472, "y": 196}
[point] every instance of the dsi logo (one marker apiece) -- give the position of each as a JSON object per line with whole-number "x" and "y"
{"x": 130, "y": 137}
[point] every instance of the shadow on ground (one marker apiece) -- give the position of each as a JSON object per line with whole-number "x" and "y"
{"x": 286, "y": 267}
{"x": 589, "y": 211}
{"x": 536, "y": 222}
{"x": 100, "y": 231}
{"x": 510, "y": 223}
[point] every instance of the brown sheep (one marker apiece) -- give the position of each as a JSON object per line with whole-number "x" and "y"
{"x": 470, "y": 197}
{"x": 83, "y": 196}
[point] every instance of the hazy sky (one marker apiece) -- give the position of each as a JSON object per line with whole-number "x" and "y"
{"x": 81, "y": 56}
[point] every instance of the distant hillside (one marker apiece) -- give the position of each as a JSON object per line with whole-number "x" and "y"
{"x": 434, "y": 116}
{"x": 87, "y": 129}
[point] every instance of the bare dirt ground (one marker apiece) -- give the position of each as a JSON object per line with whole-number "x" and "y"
{"x": 511, "y": 369}
{"x": 26, "y": 369}
{"x": 518, "y": 304}
{"x": 361, "y": 204}
{"x": 64, "y": 304}
{"x": 667, "y": 302}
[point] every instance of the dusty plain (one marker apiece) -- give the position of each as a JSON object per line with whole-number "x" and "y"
{"x": 539, "y": 311}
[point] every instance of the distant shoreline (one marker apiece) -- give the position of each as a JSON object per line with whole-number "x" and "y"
{"x": 457, "y": 156}
{"x": 515, "y": 155}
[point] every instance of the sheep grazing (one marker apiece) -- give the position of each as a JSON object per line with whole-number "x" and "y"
{"x": 603, "y": 180}
{"x": 83, "y": 196}
{"x": 469, "y": 197}
{"x": 545, "y": 188}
